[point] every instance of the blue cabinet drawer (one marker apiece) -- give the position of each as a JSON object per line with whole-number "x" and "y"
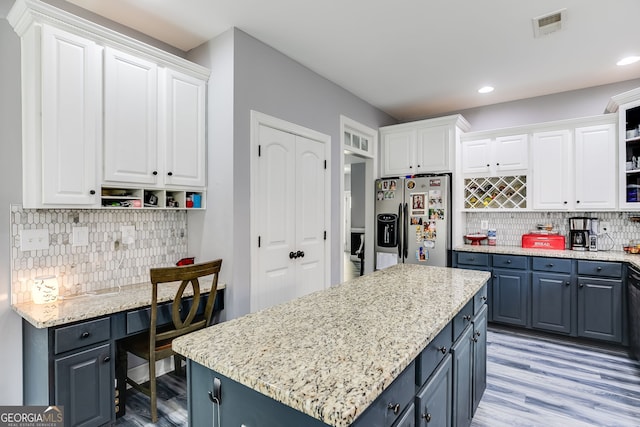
{"x": 471, "y": 258}
{"x": 462, "y": 320}
{"x": 431, "y": 356}
{"x": 599, "y": 269}
{"x": 480, "y": 299}
{"x": 390, "y": 405}
{"x": 518, "y": 262}
{"x": 81, "y": 335}
{"x": 555, "y": 265}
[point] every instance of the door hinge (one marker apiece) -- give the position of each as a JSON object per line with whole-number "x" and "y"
{"x": 259, "y": 150}
{"x": 325, "y": 164}
{"x": 258, "y": 241}
{"x": 325, "y": 234}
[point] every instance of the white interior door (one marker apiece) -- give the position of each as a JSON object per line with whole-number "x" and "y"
{"x": 310, "y": 211}
{"x": 291, "y": 219}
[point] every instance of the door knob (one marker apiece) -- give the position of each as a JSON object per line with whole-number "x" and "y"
{"x": 292, "y": 255}
{"x": 300, "y": 254}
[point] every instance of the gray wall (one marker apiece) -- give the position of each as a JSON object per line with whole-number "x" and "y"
{"x": 10, "y": 192}
{"x": 358, "y": 189}
{"x": 566, "y": 105}
{"x": 267, "y": 81}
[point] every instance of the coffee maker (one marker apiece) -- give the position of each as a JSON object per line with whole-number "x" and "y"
{"x": 583, "y": 233}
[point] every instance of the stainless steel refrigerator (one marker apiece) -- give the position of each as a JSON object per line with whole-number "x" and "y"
{"x": 413, "y": 221}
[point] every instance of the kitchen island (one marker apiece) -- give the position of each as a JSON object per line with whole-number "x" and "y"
{"x": 325, "y": 358}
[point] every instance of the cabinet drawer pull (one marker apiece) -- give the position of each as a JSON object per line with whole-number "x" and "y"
{"x": 483, "y": 298}
{"x": 442, "y": 350}
{"x": 550, "y": 265}
{"x": 394, "y": 407}
{"x": 85, "y": 335}
{"x": 474, "y": 339}
{"x": 599, "y": 269}
{"x": 427, "y": 417}
{"x": 106, "y": 359}
{"x": 508, "y": 261}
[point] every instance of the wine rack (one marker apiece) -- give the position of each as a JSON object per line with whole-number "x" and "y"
{"x": 496, "y": 192}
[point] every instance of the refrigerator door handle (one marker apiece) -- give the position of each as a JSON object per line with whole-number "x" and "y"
{"x": 405, "y": 231}
{"x": 399, "y": 231}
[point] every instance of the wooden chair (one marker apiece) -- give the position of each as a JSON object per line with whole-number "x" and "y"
{"x": 156, "y": 344}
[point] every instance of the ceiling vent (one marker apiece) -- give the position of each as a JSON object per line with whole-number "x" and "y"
{"x": 549, "y": 23}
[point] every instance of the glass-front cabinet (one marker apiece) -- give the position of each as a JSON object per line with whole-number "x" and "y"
{"x": 631, "y": 135}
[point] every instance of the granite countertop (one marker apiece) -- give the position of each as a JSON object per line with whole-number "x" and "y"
{"x": 108, "y": 301}
{"x": 555, "y": 253}
{"x": 331, "y": 353}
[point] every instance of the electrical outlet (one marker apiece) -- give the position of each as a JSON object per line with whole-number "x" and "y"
{"x": 34, "y": 240}
{"x": 80, "y": 236}
{"x": 128, "y": 234}
{"x": 605, "y": 227}
{"x": 484, "y": 224}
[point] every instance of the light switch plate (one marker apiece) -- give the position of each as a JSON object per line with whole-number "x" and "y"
{"x": 34, "y": 240}
{"x": 80, "y": 236}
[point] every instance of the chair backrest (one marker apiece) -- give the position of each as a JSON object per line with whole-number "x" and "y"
{"x": 188, "y": 274}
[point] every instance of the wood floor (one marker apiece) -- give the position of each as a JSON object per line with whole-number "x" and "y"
{"x": 540, "y": 381}
{"x": 532, "y": 382}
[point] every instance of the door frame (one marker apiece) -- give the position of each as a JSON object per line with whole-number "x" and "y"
{"x": 369, "y": 175}
{"x": 258, "y": 119}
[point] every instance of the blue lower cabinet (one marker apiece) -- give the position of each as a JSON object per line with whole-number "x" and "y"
{"x": 408, "y": 417}
{"x": 552, "y": 302}
{"x": 510, "y": 296}
{"x": 462, "y": 354}
{"x": 433, "y": 402}
{"x": 600, "y": 309}
{"x": 479, "y": 356}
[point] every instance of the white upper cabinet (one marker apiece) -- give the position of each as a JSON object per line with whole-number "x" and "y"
{"x": 398, "y": 152}
{"x": 552, "y": 168}
{"x": 576, "y": 168}
{"x": 61, "y": 119}
{"x": 182, "y": 127}
{"x": 106, "y": 116}
{"x": 495, "y": 156}
{"x": 130, "y": 118}
{"x": 425, "y": 146}
{"x": 596, "y": 172}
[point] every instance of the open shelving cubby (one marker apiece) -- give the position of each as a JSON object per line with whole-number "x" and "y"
{"x": 151, "y": 198}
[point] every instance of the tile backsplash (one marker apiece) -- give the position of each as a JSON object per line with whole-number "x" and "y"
{"x": 106, "y": 262}
{"x": 510, "y": 226}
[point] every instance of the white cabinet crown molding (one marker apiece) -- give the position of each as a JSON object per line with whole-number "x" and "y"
{"x": 621, "y": 99}
{"x": 454, "y": 119}
{"x": 25, "y": 13}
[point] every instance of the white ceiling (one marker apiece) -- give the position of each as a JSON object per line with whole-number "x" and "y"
{"x": 413, "y": 58}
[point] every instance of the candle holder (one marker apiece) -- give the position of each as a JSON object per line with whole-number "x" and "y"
{"x": 44, "y": 290}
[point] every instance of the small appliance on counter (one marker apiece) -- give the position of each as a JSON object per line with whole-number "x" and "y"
{"x": 583, "y": 233}
{"x": 544, "y": 240}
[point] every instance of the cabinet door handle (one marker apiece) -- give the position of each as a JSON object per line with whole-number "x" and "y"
{"x": 427, "y": 417}
{"x": 467, "y": 317}
{"x": 474, "y": 339}
{"x": 418, "y": 165}
{"x": 154, "y": 173}
{"x": 394, "y": 407}
{"x": 106, "y": 359}
{"x": 483, "y": 298}
{"x": 488, "y": 165}
{"x": 410, "y": 167}
{"x": 92, "y": 192}
{"x": 581, "y": 285}
{"x": 565, "y": 202}
{"x": 567, "y": 283}
{"x": 170, "y": 173}
{"x": 442, "y": 350}
{"x": 85, "y": 335}
{"x": 497, "y": 164}
{"x": 577, "y": 201}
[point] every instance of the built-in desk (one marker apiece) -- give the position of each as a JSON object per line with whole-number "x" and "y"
{"x": 69, "y": 347}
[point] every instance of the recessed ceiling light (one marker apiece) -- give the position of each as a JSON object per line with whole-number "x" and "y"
{"x": 485, "y": 89}
{"x": 628, "y": 60}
